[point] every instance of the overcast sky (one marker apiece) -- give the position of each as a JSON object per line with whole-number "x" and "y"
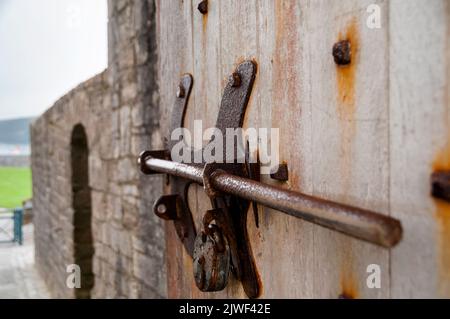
{"x": 47, "y": 47}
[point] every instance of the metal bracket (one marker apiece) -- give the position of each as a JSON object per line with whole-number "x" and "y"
{"x": 223, "y": 244}
{"x": 232, "y": 226}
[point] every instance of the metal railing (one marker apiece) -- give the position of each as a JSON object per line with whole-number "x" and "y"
{"x": 14, "y": 234}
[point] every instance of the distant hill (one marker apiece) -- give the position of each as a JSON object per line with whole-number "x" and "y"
{"x": 15, "y": 131}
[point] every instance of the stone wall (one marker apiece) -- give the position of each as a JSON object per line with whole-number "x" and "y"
{"x": 119, "y": 112}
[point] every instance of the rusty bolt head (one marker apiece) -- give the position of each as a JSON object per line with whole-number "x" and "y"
{"x": 180, "y": 92}
{"x": 162, "y": 209}
{"x": 203, "y": 7}
{"x": 281, "y": 173}
{"x": 440, "y": 185}
{"x": 167, "y": 207}
{"x": 235, "y": 79}
{"x": 342, "y": 52}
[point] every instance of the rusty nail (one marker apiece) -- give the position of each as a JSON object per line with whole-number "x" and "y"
{"x": 235, "y": 79}
{"x": 180, "y": 92}
{"x": 342, "y": 52}
{"x": 203, "y": 7}
{"x": 440, "y": 185}
{"x": 281, "y": 174}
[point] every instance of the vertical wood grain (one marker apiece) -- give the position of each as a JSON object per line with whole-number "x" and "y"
{"x": 206, "y": 92}
{"x": 282, "y": 100}
{"x": 368, "y": 134}
{"x": 419, "y": 130}
{"x": 350, "y": 140}
{"x": 175, "y": 59}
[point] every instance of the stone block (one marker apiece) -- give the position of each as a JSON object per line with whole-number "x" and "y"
{"x": 127, "y": 170}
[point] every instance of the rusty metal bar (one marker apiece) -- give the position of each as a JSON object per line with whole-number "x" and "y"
{"x": 356, "y": 222}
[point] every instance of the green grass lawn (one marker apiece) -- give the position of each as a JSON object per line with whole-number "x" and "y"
{"x": 15, "y": 186}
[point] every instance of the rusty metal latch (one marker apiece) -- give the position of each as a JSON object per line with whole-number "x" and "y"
{"x": 222, "y": 245}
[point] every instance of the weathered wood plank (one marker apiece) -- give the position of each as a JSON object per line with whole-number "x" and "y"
{"x": 206, "y": 92}
{"x": 175, "y": 44}
{"x": 350, "y": 140}
{"x": 368, "y": 134}
{"x": 420, "y": 143}
{"x": 283, "y": 245}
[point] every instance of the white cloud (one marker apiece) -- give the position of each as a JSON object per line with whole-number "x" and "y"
{"x": 47, "y": 47}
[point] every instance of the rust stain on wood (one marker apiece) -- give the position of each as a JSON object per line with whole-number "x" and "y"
{"x": 442, "y": 214}
{"x": 204, "y": 22}
{"x": 442, "y": 162}
{"x": 442, "y": 208}
{"x": 346, "y": 97}
{"x": 174, "y": 269}
{"x": 349, "y": 285}
{"x": 286, "y": 79}
{"x": 346, "y": 74}
{"x": 294, "y": 178}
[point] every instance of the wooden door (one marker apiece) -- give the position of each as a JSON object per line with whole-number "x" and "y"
{"x": 368, "y": 134}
